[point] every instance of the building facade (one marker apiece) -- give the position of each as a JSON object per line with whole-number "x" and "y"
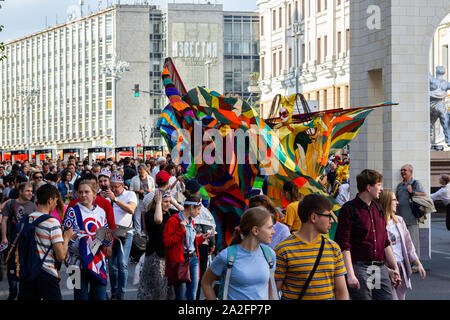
{"x": 74, "y": 105}
{"x": 79, "y": 105}
{"x": 320, "y": 49}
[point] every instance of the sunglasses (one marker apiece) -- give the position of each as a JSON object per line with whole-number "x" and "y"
{"x": 325, "y": 215}
{"x": 39, "y": 177}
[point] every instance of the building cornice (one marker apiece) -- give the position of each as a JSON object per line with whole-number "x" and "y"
{"x": 61, "y": 26}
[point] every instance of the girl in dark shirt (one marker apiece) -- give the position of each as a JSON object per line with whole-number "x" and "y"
{"x": 152, "y": 283}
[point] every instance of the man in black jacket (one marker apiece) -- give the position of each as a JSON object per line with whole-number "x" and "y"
{"x": 129, "y": 172}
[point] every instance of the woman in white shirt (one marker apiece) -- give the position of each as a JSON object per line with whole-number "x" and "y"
{"x": 401, "y": 243}
{"x": 443, "y": 194}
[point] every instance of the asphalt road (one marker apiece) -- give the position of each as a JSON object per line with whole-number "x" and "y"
{"x": 436, "y": 286}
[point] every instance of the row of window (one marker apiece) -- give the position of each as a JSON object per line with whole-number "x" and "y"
{"x": 321, "y": 54}
{"x": 294, "y": 14}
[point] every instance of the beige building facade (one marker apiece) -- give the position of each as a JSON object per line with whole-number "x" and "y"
{"x": 322, "y": 54}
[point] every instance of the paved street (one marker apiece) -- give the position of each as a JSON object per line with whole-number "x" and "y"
{"x": 437, "y": 284}
{"x": 68, "y": 294}
{"x": 435, "y": 287}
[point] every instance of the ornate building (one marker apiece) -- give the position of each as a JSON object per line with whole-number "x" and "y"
{"x": 316, "y": 34}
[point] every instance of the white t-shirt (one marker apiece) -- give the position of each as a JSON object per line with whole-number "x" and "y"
{"x": 155, "y": 172}
{"x": 344, "y": 194}
{"x": 74, "y": 178}
{"x": 442, "y": 194}
{"x": 396, "y": 241}
{"x": 121, "y": 217}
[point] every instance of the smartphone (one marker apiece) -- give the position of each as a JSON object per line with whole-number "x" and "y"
{"x": 104, "y": 188}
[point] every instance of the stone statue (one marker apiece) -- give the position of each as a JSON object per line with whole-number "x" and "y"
{"x": 438, "y": 109}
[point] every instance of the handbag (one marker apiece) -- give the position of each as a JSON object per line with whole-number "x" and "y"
{"x": 319, "y": 256}
{"x": 416, "y": 209}
{"x": 178, "y": 272}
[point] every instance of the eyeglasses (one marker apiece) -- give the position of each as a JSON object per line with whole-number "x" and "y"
{"x": 325, "y": 215}
{"x": 40, "y": 177}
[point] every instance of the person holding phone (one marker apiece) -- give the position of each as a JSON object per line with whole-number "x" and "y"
{"x": 152, "y": 283}
{"x": 181, "y": 242}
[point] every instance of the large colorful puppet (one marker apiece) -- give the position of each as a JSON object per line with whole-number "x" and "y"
{"x": 224, "y": 144}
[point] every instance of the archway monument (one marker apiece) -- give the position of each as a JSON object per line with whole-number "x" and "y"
{"x": 389, "y": 56}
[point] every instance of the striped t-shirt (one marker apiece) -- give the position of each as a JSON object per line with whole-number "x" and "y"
{"x": 295, "y": 260}
{"x": 47, "y": 233}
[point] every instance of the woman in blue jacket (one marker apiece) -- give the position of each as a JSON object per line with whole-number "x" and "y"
{"x": 65, "y": 187}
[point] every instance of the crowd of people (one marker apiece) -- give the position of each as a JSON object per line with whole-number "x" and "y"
{"x": 97, "y": 210}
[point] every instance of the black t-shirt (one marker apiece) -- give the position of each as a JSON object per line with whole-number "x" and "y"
{"x": 128, "y": 173}
{"x": 155, "y": 233}
{"x": 331, "y": 176}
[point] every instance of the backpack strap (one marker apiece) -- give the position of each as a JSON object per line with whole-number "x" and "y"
{"x": 353, "y": 214}
{"x": 311, "y": 274}
{"x": 269, "y": 258}
{"x": 38, "y": 221}
{"x": 231, "y": 256}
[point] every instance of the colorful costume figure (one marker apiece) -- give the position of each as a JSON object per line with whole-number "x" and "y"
{"x": 223, "y": 160}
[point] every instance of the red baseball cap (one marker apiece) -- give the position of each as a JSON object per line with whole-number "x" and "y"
{"x": 162, "y": 176}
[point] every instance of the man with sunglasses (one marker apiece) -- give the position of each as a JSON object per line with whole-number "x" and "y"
{"x": 365, "y": 245}
{"x": 298, "y": 254}
{"x": 407, "y": 188}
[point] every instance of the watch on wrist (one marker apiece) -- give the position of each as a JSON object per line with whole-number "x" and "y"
{"x": 114, "y": 201}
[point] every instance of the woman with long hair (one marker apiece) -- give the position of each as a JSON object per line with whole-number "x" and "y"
{"x": 65, "y": 187}
{"x": 152, "y": 283}
{"x": 84, "y": 218}
{"x": 253, "y": 260}
{"x": 291, "y": 194}
{"x": 181, "y": 244}
{"x": 401, "y": 243}
{"x": 281, "y": 230}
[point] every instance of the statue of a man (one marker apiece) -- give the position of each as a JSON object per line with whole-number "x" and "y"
{"x": 438, "y": 91}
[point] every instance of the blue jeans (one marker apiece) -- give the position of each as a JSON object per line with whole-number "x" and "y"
{"x": 118, "y": 266}
{"x": 187, "y": 291}
{"x": 91, "y": 289}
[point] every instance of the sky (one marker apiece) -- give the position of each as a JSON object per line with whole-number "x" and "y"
{"x": 24, "y": 17}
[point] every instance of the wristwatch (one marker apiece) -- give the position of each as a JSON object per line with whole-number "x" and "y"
{"x": 114, "y": 201}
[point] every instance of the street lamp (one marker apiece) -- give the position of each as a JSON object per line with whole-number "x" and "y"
{"x": 114, "y": 68}
{"x": 29, "y": 94}
{"x": 297, "y": 33}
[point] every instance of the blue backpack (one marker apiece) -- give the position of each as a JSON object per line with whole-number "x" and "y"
{"x": 23, "y": 262}
{"x": 231, "y": 257}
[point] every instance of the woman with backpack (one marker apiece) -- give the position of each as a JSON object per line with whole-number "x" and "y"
{"x": 253, "y": 261}
{"x": 181, "y": 249}
{"x": 84, "y": 219}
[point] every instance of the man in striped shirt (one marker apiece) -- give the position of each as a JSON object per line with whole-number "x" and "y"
{"x": 48, "y": 234}
{"x": 297, "y": 254}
